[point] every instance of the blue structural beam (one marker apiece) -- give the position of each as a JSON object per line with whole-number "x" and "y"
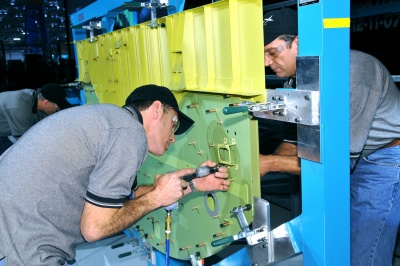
{"x": 176, "y": 6}
{"x": 98, "y": 9}
{"x": 324, "y": 32}
{"x": 101, "y": 8}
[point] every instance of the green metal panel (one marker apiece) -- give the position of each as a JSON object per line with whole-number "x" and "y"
{"x": 220, "y": 138}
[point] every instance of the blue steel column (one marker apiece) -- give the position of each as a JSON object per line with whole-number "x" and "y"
{"x": 326, "y": 185}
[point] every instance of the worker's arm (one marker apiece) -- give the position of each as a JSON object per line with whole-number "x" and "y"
{"x": 99, "y": 222}
{"x": 143, "y": 190}
{"x": 284, "y": 159}
{"x": 213, "y": 181}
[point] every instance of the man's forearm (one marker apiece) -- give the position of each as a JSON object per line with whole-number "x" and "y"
{"x": 279, "y": 163}
{"x": 143, "y": 190}
{"x": 98, "y": 222}
{"x": 115, "y": 220}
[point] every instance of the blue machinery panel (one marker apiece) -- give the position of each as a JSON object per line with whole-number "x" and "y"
{"x": 324, "y": 32}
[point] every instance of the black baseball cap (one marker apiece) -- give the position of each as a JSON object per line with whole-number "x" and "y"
{"x": 279, "y": 22}
{"x": 56, "y": 94}
{"x": 165, "y": 96}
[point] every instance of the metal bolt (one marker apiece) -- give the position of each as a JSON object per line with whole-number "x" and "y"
{"x": 297, "y": 119}
{"x": 307, "y": 97}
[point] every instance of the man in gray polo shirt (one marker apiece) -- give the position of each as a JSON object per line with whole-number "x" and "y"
{"x": 20, "y": 110}
{"x": 76, "y": 171}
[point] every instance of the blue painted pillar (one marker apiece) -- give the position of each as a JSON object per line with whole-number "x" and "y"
{"x": 324, "y": 32}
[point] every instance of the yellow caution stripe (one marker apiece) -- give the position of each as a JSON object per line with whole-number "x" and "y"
{"x": 337, "y": 23}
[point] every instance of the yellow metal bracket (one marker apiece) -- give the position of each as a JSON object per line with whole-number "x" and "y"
{"x": 226, "y": 147}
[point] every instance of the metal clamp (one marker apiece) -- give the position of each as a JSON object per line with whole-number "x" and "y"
{"x": 253, "y": 237}
{"x": 92, "y": 26}
{"x": 295, "y": 106}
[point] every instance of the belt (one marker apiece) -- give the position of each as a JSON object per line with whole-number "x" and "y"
{"x": 395, "y": 142}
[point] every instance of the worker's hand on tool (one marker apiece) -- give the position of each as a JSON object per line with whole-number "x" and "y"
{"x": 169, "y": 187}
{"x": 215, "y": 181}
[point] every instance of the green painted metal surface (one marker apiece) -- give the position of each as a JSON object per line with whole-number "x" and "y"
{"x": 218, "y": 137}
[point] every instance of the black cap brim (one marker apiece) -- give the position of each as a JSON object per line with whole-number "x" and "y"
{"x": 63, "y": 104}
{"x": 165, "y": 96}
{"x": 185, "y": 123}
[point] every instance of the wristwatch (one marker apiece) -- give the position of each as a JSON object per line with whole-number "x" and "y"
{"x": 191, "y": 185}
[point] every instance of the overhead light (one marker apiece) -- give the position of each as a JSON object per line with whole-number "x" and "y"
{"x": 16, "y": 39}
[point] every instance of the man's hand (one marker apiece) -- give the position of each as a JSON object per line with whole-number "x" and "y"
{"x": 214, "y": 181}
{"x": 169, "y": 187}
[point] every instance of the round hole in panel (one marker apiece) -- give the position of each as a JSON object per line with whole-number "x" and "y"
{"x": 211, "y": 203}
